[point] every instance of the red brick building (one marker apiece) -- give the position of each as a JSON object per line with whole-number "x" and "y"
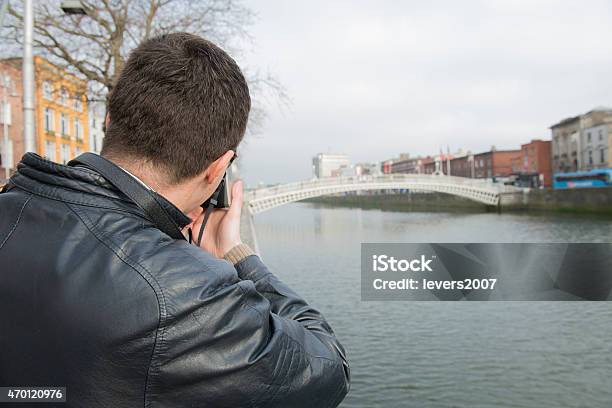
{"x": 437, "y": 164}
{"x": 12, "y": 72}
{"x": 495, "y": 163}
{"x": 536, "y": 159}
{"x": 410, "y": 165}
{"x": 461, "y": 166}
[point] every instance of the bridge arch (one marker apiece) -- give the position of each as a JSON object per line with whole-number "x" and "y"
{"x": 481, "y": 191}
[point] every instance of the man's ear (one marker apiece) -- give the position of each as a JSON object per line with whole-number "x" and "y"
{"x": 216, "y": 169}
{"x": 107, "y": 120}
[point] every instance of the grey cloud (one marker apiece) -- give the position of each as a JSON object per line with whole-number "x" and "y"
{"x": 373, "y": 78}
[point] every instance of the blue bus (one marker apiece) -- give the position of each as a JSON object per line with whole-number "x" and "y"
{"x": 582, "y": 179}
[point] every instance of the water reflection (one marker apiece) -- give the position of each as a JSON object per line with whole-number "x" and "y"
{"x": 452, "y": 354}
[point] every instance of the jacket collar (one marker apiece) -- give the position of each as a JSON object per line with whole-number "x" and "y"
{"x": 80, "y": 185}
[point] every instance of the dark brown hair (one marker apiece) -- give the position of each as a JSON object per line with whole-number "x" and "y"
{"x": 180, "y": 103}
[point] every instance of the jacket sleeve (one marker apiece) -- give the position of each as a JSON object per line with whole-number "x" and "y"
{"x": 252, "y": 343}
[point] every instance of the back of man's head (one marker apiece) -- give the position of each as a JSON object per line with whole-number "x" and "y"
{"x": 179, "y": 104}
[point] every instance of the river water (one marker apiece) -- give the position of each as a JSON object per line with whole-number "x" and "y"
{"x": 445, "y": 354}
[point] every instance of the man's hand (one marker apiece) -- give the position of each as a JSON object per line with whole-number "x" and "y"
{"x": 222, "y": 230}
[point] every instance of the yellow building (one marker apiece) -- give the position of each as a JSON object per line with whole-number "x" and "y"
{"x": 61, "y": 112}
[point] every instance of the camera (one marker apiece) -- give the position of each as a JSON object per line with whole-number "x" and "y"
{"x": 221, "y": 194}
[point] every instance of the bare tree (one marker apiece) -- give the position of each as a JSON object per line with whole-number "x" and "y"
{"x": 96, "y": 45}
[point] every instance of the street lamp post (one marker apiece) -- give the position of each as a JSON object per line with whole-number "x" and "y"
{"x": 6, "y": 160}
{"x": 28, "y": 78}
{"x": 73, "y": 7}
{"x": 3, "y": 9}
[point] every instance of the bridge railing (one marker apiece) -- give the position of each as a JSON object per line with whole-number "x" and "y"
{"x": 387, "y": 178}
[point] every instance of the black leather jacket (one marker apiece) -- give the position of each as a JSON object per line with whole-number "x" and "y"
{"x": 95, "y": 298}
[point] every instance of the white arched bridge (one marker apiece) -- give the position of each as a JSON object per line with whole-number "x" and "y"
{"x": 483, "y": 191}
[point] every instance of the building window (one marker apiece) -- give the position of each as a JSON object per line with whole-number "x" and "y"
{"x": 50, "y": 151}
{"x": 64, "y": 153}
{"x": 602, "y": 158}
{"x": 78, "y": 151}
{"x": 47, "y": 90}
{"x": 600, "y": 134}
{"x": 49, "y": 115}
{"x": 64, "y": 120}
{"x": 78, "y": 103}
{"x": 588, "y": 137}
{"x": 64, "y": 97}
{"x": 6, "y": 115}
{"x": 78, "y": 132}
{"x": 590, "y": 157}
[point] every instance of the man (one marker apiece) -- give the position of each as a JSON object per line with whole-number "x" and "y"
{"x": 96, "y": 298}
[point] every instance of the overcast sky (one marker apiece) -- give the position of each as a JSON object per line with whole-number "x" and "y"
{"x": 375, "y": 78}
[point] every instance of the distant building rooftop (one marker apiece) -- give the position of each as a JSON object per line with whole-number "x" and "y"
{"x": 601, "y": 109}
{"x": 565, "y": 121}
{"x": 575, "y": 118}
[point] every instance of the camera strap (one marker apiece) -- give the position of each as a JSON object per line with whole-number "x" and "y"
{"x": 139, "y": 194}
{"x": 211, "y": 205}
